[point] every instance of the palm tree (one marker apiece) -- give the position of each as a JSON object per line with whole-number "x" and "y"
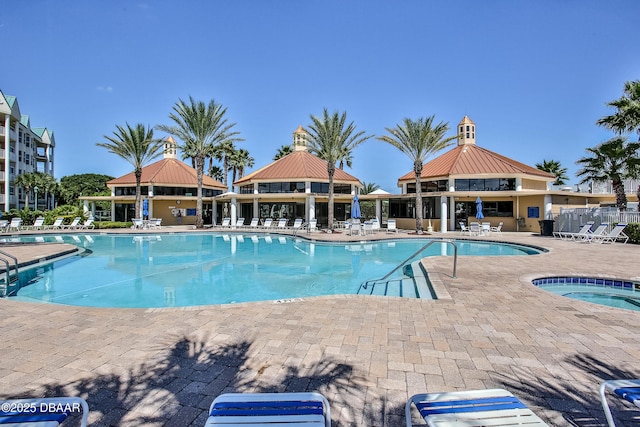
{"x": 27, "y": 181}
{"x": 369, "y": 187}
{"x": 215, "y": 172}
{"x": 201, "y": 128}
{"x": 626, "y": 118}
{"x": 418, "y": 139}
{"x": 283, "y": 151}
{"x": 627, "y": 115}
{"x": 47, "y": 185}
{"x": 223, "y": 152}
{"x": 239, "y": 162}
{"x": 332, "y": 140}
{"x": 137, "y": 146}
{"x": 613, "y": 161}
{"x": 554, "y": 167}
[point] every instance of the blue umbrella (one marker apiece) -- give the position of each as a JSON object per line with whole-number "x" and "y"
{"x": 355, "y": 209}
{"x": 145, "y": 208}
{"x": 479, "y": 214}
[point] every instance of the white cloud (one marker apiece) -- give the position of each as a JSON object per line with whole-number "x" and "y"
{"x": 104, "y": 89}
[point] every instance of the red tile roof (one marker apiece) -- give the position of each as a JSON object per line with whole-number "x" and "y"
{"x": 471, "y": 160}
{"x": 168, "y": 172}
{"x": 299, "y": 165}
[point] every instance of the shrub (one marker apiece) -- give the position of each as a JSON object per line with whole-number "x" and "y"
{"x": 103, "y": 225}
{"x": 633, "y": 231}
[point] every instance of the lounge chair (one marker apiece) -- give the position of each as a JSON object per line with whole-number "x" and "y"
{"x": 253, "y": 225}
{"x": 48, "y": 411}
{"x": 566, "y": 235}
{"x": 87, "y": 224}
{"x": 282, "y": 224}
{"x": 628, "y": 390}
{"x": 312, "y": 226}
{"x": 375, "y": 225}
{"x": 474, "y": 229}
{"x": 297, "y": 225}
{"x": 74, "y": 223}
{"x": 138, "y": 224}
{"x": 264, "y": 409}
{"x": 240, "y": 222}
{"x": 494, "y": 407}
{"x": 38, "y": 224}
{"x": 391, "y": 226}
{"x": 15, "y": 224}
{"x": 226, "y": 223}
{"x": 267, "y": 223}
{"x": 613, "y": 236}
{"x": 599, "y": 231}
{"x": 497, "y": 229}
{"x": 464, "y": 229}
{"x": 4, "y": 224}
{"x": 56, "y": 224}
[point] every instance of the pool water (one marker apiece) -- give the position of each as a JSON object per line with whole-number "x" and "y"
{"x": 610, "y": 292}
{"x": 200, "y": 269}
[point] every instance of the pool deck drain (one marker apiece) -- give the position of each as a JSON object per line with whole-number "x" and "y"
{"x": 163, "y": 367}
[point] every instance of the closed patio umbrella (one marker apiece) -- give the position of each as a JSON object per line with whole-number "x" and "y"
{"x": 145, "y": 208}
{"x": 355, "y": 209}
{"x": 479, "y": 214}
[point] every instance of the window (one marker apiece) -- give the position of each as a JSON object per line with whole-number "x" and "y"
{"x": 280, "y": 187}
{"x": 489, "y": 184}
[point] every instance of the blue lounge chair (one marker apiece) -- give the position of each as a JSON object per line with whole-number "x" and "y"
{"x": 264, "y": 409}
{"x": 628, "y": 390}
{"x": 45, "y": 412}
{"x": 491, "y": 407}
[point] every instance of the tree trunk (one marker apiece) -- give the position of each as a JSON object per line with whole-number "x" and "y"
{"x": 417, "y": 168}
{"x": 621, "y": 197}
{"x": 199, "y": 173}
{"x": 331, "y": 169}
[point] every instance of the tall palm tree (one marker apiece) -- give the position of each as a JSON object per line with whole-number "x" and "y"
{"x": 239, "y": 162}
{"x": 215, "y": 172}
{"x": 614, "y": 161}
{"x": 223, "y": 152}
{"x": 554, "y": 167}
{"x": 47, "y": 184}
{"x": 369, "y": 187}
{"x": 137, "y": 146}
{"x": 418, "y": 139}
{"x": 27, "y": 181}
{"x": 201, "y": 128}
{"x": 332, "y": 140}
{"x": 627, "y": 115}
{"x": 626, "y": 118}
{"x": 283, "y": 151}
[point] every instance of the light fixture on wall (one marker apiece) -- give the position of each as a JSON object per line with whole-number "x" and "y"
{"x": 177, "y": 202}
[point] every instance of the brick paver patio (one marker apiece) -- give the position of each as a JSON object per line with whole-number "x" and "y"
{"x": 367, "y": 355}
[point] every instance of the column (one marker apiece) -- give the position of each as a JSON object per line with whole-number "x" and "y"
{"x": 234, "y": 216}
{"x": 214, "y": 211}
{"x": 7, "y": 164}
{"x": 443, "y": 214}
{"x": 379, "y": 210}
{"x": 312, "y": 208}
{"x": 548, "y": 206}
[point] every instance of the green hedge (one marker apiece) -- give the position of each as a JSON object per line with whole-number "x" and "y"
{"x": 633, "y": 231}
{"x": 103, "y": 225}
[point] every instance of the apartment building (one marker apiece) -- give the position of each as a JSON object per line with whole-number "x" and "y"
{"x": 23, "y": 149}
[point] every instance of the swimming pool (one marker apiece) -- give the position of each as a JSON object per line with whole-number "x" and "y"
{"x": 204, "y": 268}
{"x": 610, "y": 292}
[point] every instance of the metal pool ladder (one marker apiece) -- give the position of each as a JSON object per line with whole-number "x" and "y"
{"x": 4, "y": 286}
{"x": 386, "y": 281}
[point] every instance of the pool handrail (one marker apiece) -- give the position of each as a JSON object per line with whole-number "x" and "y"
{"x": 455, "y": 261}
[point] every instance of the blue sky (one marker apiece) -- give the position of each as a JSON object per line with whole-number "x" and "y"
{"x": 533, "y": 75}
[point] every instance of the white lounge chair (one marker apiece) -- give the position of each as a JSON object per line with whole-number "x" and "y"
{"x": 15, "y": 224}
{"x": 4, "y": 224}
{"x": 312, "y": 226}
{"x": 375, "y": 225}
{"x": 367, "y": 227}
{"x": 474, "y": 229}
{"x": 240, "y": 222}
{"x": 138, "y": 224}
{"x": 613, "y": 236}
{"x": 47, "y": 411}
{"x": 253, "y": 225}
{"x": 566, "y": 235}
{"x": 497, "y": 229}
{"x": 267, "y": 223}
{"x": 87, "y": 224}
{"x": 628, "y": 390}
{"x": 74, "y": 224}
{"x": 491, "y": 407}
{"x": 599, "y": 231}
{"x": 226, "y": 223}
{"x": 297, "y": 225}
{"x": 57, "y": 223}
{"x": 464, "y": 229}
{"x": 38, "y": 224}
{"x": 282, "y": 224}
{"x": 391, "y": 226}
{"x": 265, "y": 409}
